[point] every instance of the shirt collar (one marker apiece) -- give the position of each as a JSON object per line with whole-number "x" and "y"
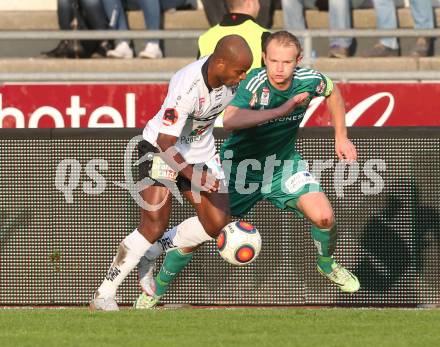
{"x": 230, "y": 19}
{"x": 205, "y": 73}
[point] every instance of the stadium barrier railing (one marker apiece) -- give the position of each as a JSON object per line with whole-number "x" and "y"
{"x": 166, "y": 76}
{"x": 307, "y": 35}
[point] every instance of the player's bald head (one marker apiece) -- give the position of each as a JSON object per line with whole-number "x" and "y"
{"x": 233, "y": 48}
{"x": 231, "y": 59}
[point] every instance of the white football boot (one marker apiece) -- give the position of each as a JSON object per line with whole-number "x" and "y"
{"x": 103, "y": 304}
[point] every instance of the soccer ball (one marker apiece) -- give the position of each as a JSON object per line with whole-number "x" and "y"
{"x": 239, "y": 243}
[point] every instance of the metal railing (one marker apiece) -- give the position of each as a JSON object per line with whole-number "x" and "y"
{"x": 166, "y": 76}
{"x": 307, "y": 35}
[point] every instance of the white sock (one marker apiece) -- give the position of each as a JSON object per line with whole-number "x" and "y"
{"x": 189, "y": 233}
{"x": 130, "y": 251}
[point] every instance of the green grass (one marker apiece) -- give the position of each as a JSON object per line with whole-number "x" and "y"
{"x": 221, "y": 327}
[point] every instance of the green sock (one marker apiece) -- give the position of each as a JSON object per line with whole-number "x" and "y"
{"x": 175, "y": 261}
{"x": 325, "y": 241}
{"x": 325, "y": 263}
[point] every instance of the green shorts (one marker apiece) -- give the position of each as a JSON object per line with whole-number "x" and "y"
{"x": 282, "y": 189}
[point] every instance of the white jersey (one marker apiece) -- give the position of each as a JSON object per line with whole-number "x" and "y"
{"x": 189, "y": 112}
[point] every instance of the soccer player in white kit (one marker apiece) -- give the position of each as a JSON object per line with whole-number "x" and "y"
{"x": 177, "y": 141}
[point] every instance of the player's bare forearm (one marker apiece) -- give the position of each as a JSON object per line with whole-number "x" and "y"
{"x": 343, "y": 146}
{"x": 336, "y": 106}
{"x": 240, "y": 118}
{"x": 172, "y": 156}
{"x": 174, "y": 159}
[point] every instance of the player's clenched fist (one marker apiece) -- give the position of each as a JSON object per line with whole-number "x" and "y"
{"x": 292, "y": 103}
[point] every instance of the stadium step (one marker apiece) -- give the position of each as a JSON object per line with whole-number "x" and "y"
{"x": 173, "y": 64}
{"x": 47, "y": 20}
{"x": 92, "y": 65}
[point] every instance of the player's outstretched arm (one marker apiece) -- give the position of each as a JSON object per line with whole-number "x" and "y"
{"x": 343, "y": 146}
{"x": 241, "y": 118}
{"x": 174, "y": 159}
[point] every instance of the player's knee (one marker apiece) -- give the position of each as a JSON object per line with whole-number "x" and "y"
{"x": 152, "y": 231}
{"x": 215, "y": 225}
{"x": 324, "y": 220}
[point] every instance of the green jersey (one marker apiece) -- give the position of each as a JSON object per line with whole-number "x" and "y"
{"x": 277, "y": 136}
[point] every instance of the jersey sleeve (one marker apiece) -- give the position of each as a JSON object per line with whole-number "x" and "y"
{"x": 244, "y": 97}
{"x": 324, "y": 86}
{"x": 178, "y": 105}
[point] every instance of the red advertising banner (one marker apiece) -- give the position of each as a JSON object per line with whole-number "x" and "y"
{"x": 132, "y": 105}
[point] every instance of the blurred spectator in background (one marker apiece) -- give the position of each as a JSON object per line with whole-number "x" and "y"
{"x": 152, "y": 11}
{"x": 241, "y": 21}
{"x": 293, "y": 15}
{"x": 82, "y": 15}
{"x": 386, "y": 17}
{"x": 216, "y": 9}
{"x": 267, "y": 10}
{"x": 339, "y": 19}
{"x": 115, "y": 10}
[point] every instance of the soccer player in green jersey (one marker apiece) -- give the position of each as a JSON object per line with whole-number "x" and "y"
{"x": 264, "y": 116}
{"x": 265, "y": 136}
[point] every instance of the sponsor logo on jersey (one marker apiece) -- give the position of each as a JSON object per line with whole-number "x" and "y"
{"x": 170, "y": 117}
{"x": 265, "y": 95}
{"x": 286, "y": 118}
{"x": 187, "y": 140}
{"x": 295, "y": 182}
{"x": 320, "y": 88}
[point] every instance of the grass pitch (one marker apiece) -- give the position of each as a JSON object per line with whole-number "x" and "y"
{"x": 221, "y": 327}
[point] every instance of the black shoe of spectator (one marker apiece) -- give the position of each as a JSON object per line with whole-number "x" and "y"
{"x": 65, "y": 49}
{"x": 103, "y": 48}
